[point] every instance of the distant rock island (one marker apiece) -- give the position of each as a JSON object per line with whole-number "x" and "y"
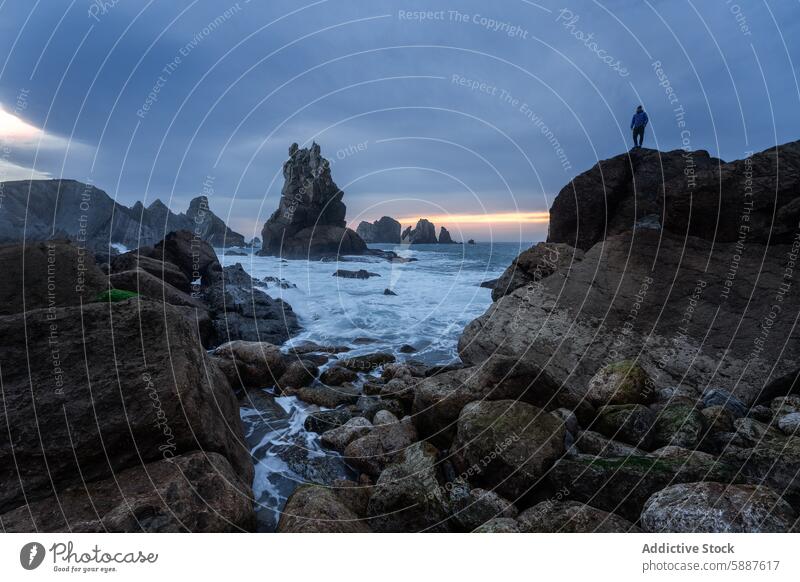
{"x": 68, "y": 209}
{"x": 425, "y": 233}
{"x": 385, "y": 230}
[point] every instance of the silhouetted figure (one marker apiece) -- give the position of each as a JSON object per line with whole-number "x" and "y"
{"x": 638, "y": 123}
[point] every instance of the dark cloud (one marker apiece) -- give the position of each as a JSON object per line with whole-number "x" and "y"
{"x": 474, "y": 107}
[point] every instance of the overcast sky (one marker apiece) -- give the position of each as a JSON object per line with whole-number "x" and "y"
{"x": 480, "y": 108}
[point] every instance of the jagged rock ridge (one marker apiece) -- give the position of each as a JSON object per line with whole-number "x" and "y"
{"x": 68, "y": 209}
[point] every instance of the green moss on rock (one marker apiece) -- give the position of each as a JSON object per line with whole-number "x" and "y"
{"x": 114, "y": 295}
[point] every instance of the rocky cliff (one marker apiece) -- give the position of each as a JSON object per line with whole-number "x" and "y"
{"x": 68, "y": 209}
{"x": 385, "y": 230}
{"x": 679, "y": 261}
{"x": 310, "y": 219}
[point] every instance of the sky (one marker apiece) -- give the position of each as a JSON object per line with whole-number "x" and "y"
{"x": 473, "y": 113}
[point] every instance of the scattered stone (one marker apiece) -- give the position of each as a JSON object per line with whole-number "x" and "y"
{"x": 329, "y": 397}
{"x": 439, "y": 400}
{"x": 250, "y": 364}
{"x": 298, "y": 374}
{"x": 760, "y": 413}
{"x": 325, "y": 420}
{"x": 337, "y": 375}
{"x": 338, "y": 438}
{"x": 790, "y": 424}
{"x": 716, "y": 396}
{"x": 471, "y": 508}
{"x": 785, "y": 405}
{"x": 389, "y": 292}
{"x": 381, "y": 446}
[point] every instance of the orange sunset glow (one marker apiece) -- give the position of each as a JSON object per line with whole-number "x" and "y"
{"x": 494, "y": 218}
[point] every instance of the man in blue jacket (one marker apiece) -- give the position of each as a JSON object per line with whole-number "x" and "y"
{"x": 638, "y": 123}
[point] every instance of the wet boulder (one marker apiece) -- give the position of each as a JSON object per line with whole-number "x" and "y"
{"x": 317, "y": 509}
{"x": 623, "y": 382}
{"x": 709, "y": 507}
{"x": 506, "y": 445}
{"x": 629, "y": 423}
{"x": 408, "y": 496}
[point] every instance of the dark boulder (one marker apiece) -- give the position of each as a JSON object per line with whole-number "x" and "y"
{"x": 166, "y": 271}
{"x": 360, "y": 274}
{"x": 240, "y": 311}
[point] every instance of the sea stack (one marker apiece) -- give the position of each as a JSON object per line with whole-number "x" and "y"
{"x": 310, "y": 220}
{"x": 445, "y": 238}
{"x": 423, "y": 233}
{"x": 385, "y": 230}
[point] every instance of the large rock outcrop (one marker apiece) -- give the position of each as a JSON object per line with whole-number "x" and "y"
{"x": 690, "y": 309}
{"x": 422, "y": 234}
{"x": 67, "y": 209}
{"x": 310, "y": 219}
{"x": 183, "y": 269}
{"x": 91, "y": 392}
{"x": 688, "y": 193}
{"x": 385, "y": 230}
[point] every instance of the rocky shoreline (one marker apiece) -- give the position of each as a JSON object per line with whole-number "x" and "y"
{"x": 622, "y": 381}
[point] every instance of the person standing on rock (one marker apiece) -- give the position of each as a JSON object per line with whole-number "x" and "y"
{"x": 638, "y": 123}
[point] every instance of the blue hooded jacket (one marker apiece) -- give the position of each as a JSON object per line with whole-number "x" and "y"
{"x": 639, "y": 119}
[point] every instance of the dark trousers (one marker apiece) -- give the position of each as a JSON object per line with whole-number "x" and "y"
{"x": 638, "y": 136}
